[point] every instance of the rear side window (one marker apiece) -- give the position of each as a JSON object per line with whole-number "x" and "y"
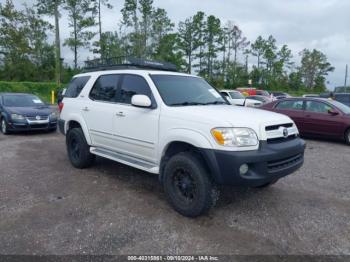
{"x": 290, "y": 105}
{"x": 105, "y": 88}
{"x": 75, "y": 86}
{"x": 133, "y": 85}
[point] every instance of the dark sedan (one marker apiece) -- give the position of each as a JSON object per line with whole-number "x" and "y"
{"x": 316, "y": 116}
{"x": 23, "y": 112}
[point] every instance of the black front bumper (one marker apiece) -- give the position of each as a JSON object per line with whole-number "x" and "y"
{"x": 268, "y": 163}
{"x": 19, "y": 126}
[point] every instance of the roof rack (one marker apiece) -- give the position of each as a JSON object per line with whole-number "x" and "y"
{"x": 122, "y": 62}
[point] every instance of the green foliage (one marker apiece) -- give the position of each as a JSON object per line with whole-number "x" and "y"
{"x": 80, "y": 13}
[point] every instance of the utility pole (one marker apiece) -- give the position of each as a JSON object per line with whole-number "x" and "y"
{"x": 346, "y": 78}
{"x": 58, "y": 44}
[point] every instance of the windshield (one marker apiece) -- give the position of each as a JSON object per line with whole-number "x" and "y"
{"x": 236, "y": 95}
{"x": 186, "y": 90}
{"x": 344, "y": 108}
{"x": 22, "y": 101}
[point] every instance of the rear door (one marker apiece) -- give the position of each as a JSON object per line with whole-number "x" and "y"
{"x": 99, "y": 112}
{"x": 319, "y": 121}
{"x": 294, "y": 109}
{"x": 136, "y": 129}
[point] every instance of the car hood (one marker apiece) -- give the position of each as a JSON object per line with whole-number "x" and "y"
{"x": 230, "y": 116}
{"x": 30, "y": 111}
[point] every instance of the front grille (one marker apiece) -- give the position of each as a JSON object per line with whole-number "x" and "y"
{"x": 281, "y": 139}
{"x": 276, "y": 127}
{"x": 277, "y": 165}
{"x": 33, "y": 118}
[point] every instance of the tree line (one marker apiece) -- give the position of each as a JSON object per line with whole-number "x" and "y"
{"x": 202, "y": 44}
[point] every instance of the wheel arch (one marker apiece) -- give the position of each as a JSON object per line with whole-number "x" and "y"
{"x": 78, "y": 122}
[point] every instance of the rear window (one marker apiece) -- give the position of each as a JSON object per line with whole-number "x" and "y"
{"x": 75, "y": 86}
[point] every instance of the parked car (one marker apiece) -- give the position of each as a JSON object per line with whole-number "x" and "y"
{"x": 279, "y": 95}
{"x": 316, "y": 116}
{"x": 251, "y": 91}
{"x": 262, "y": 99}
{"x": 311, "y": 95}
{"x": 262, "y": 93}
{"x": 179, "y": 127}
{"x": 343, "y": 98}
{"x": 236, "y": 98}
{"x": 23, "y": 112}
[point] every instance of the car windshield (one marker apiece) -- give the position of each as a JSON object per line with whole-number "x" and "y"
{"x": 22, "y": 101}
{"x": 236, "y": 95}
{"x": 178, "y": 90}
{"x": 344, "y": 108}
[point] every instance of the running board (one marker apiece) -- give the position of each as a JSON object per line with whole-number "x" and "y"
{"x": 125, "y": 159}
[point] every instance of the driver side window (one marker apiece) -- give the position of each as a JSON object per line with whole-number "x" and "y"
{"x": 317, "y": 107}
{"x": 133, "y": 85}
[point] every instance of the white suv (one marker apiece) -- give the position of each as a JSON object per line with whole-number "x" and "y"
{"x": 178, "y": 127}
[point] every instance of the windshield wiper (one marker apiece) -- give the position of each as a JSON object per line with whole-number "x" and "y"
{"x": 216, "y": 103}
{"x": 188, "y": 104}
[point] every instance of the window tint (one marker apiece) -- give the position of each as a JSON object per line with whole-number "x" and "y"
{"x": 105, "y": 88}
{"x": 290, "y": 105}
{"x": 75, "y": 86}
{"x": 133, "y": 85}
{"x": 236, "y": 95}
{"x": 317, "y": 107}
{"x": 224, "y": 94}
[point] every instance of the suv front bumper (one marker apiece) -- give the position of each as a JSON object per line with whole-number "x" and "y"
{"x": 268, "y": 163}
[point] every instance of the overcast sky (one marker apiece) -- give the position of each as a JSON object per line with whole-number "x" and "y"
{"x": 320, "y": 24}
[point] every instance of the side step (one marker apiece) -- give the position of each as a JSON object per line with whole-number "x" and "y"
{"x": 125, "y": 159}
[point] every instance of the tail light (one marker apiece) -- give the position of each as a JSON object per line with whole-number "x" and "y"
{"x": 60, "y": 106}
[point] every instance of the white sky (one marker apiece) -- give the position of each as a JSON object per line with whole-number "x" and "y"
{"x": 320, "y": 24}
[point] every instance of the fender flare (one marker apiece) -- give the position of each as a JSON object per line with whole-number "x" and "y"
{"x": 81, "y": 121}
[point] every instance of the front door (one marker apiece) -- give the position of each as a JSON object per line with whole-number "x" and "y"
{"x": 136, "y": 129}
{"x": 319, "y": 121}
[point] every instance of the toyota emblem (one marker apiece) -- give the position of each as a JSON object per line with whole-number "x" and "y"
{"x": 37, "y": 117}
{"x": 285, "y": 132}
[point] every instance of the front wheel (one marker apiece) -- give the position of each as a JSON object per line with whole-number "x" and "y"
{"x": 347, "y": 136}
{"x": 4, "y": 127}
{"x": 78, "y": 149}
{"x": 188, "y": 186}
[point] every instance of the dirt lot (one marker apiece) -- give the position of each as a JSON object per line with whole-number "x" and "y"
{"x": 48, "y": 207}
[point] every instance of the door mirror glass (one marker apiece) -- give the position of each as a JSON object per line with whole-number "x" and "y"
{"x": 141, "y": 101}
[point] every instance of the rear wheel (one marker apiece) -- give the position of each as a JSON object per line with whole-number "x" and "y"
{"x": 4, "y": 127}
{"x": 188, "y": 186}
{"x": 78, "y": 149}
{"x": 347, "y": 136}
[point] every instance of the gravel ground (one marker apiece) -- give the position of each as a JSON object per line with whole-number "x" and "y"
{"x": 48, "y": 207}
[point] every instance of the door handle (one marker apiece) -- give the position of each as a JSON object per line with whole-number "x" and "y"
{"x": 86, "y": 109}
{"x": 120, "y": 114}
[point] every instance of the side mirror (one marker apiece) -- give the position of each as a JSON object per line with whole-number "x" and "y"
{"x": 333, "y": 112}
{"x": 141, "y": 101}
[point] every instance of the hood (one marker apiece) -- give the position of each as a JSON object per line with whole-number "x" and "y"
{"x": 230, "y": 116}
{"x": 30, "y": 111}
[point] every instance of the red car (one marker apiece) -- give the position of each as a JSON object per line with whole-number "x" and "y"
{"x": 316, "y": 116}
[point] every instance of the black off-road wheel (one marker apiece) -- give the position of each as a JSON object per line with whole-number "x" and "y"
{"x": 78, "y": 149}
{"x": 4, "y": 126}
{"x": 347, "y": 136}
{"x": 188, "y": 186}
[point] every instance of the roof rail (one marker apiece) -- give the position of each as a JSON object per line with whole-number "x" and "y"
{"x": 123, "y": 62}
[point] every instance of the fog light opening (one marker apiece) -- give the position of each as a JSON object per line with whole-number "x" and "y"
{"x": 243, "y": 169}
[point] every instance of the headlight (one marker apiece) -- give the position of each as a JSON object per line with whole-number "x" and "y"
{"x": 17, "y": 117}
{"x": 53, "y": 115}
{"x": 235, "y": 137}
